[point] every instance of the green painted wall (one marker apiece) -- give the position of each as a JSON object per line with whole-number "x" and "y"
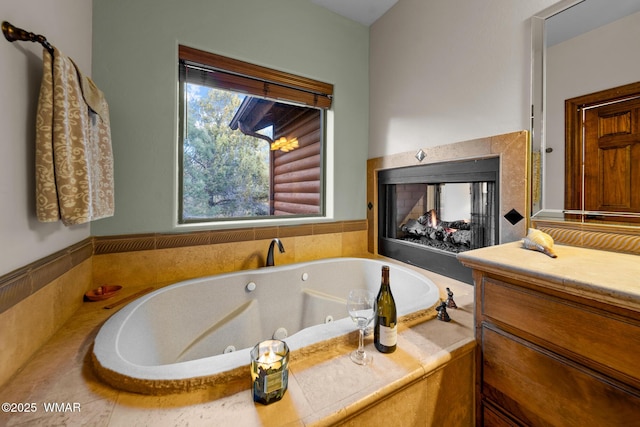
{"x": 135, "y": 64}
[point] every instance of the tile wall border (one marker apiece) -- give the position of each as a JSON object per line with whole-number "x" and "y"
{"x": 25, "y": 281}
{"x": 144, "y": 242}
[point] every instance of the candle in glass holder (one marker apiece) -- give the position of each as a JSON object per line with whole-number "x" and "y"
{"x": 269, "y": 370}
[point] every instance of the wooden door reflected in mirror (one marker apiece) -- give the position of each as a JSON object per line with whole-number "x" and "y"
{"x": 602, "y": 171}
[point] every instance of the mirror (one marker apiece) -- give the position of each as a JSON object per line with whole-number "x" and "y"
{"x": 578, "y": 47}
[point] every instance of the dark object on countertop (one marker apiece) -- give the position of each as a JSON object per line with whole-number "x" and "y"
{"x": 450, "y": 302}
{"x": 102, "y": 292}
{"x": 442, "y": 312}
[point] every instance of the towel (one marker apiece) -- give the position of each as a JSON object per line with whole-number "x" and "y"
{"x": 74, "y": 158}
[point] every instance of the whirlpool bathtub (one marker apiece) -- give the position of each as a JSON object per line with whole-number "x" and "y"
{"x": 188, "y": 334}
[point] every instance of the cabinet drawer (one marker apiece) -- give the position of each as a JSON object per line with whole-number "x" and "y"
{"x": 587, "y": 334}
{"x": 540, "y": 388}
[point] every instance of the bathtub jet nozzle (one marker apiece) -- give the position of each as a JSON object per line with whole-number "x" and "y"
{"x": 270, "y": 261}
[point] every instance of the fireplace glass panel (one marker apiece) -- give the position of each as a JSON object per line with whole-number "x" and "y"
{"x": 430, "y": 213}
{"x": 453, "y": 217}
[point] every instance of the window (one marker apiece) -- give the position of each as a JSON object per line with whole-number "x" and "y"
{"x": 251, "y": 140}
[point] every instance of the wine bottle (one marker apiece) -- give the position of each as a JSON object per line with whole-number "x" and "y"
{"x": 385, "y": 331}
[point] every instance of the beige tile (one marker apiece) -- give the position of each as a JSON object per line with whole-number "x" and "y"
{"x": 354, "y": 243}
{"x": 450, "y": 395}
{"x": 339, "y": 383}
{"x": 179, "y": 264}
{"x": 25, "y": 327}
{"x": 70, "y": 289}
{"x": 290, "y": 411}
{"x": 125, "y": 268}
{"x": 29, "y": 324}
{"x": 444, "y": 397}
{"x": 327, "y": 228}
{"x": 197, "y": 409}
{"x": 314, "y": 247}
{"x": 171, "y": 265}
{"x": 408, "y": 407}
{"x": 59, "y": 372}
{"x": 174, "y": 410}
{"x": 327, "y": 385}
{"x": 96, "y": 413}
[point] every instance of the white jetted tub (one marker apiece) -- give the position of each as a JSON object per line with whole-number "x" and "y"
{"x": 186, "y": 335}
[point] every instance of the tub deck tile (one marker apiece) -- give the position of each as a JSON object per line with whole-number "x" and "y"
{"x": 323, "y": 389}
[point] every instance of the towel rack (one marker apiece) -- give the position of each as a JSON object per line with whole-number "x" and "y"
{"x": 13, "y": 33}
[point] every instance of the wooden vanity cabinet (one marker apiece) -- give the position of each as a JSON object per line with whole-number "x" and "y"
{"x": 548, "y": 358}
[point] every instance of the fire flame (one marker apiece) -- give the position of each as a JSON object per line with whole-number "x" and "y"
{"x": 433, "y": 222}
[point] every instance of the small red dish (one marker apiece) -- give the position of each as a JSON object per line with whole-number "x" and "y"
{"x": 102, "y": 292}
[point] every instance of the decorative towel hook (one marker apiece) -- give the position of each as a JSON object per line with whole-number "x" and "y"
{"x": 13, "y": 33}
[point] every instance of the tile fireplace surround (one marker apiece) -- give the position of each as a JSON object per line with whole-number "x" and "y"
{"x": 511, "y": 148}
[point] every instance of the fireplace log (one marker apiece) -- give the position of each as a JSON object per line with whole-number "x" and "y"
{"x": 458, "y": 225}
{"x": 429, "y": 218}
{"x": 437, "y": 233}
{"x": 442, "y": 233}
{"x": 429, "y": 229}
{"x": 414, "y": 227}
{"x": 461, "y": 237}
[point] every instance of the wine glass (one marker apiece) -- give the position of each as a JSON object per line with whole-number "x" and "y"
{"x": 361, "y": 306}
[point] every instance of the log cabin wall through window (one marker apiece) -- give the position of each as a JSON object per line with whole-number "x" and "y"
{"x": 297, "y": 174}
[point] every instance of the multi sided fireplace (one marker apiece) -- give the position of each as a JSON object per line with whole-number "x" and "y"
{"x": 427, "y": 214}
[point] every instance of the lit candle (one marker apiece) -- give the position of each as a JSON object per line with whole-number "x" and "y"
{"x": 270, "y": 360}
{"x": 269, "y": 370}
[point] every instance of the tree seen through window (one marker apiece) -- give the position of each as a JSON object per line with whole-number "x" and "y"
{"x": 225, "y": 172}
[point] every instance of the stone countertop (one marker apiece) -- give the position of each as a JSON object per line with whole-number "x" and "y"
{"x": 323, "y": 389}
{"x": 603, "y": 276}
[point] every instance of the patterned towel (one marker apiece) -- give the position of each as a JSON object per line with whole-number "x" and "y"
{"x": 74, "y": 159}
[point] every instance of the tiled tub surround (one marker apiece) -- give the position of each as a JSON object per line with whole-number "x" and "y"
{"x": 175, "y": 338}
{"x": 36, "y": 300}
{"x": 427, "y": 381}
{"x": 160, "y": 259}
